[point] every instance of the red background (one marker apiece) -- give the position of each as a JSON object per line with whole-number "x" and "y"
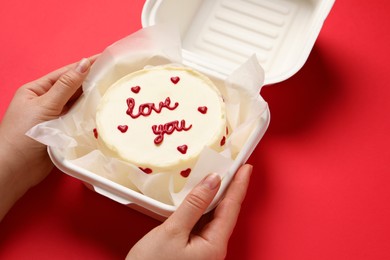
{"x": 320, "y": 188}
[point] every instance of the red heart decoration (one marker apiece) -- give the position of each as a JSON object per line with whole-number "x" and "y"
{"x": 136, "y": 89}
{"x": 223, "y": 141}
{"x": 203, "y": 110}
{"x": 175, "y": 80}
{"x": 182, "y": 149}
{"x": 146, "y": 170}
{"x": 185, "y": 173}
{"x": 123, "y": 128}
{"x": 95, "y": 133}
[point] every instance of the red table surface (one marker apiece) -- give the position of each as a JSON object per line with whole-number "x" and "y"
{"x": 320, "y": 188}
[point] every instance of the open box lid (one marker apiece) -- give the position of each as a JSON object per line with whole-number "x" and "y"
{"x": 219, "y": 35}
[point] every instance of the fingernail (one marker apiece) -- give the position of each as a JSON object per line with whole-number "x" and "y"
{"x": 83, "y": 65}
{"x": 250, "y": 168}
{"x": 211, "y": 181}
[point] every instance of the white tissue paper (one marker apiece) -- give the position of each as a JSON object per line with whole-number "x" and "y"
{"x": 72, "y": 134}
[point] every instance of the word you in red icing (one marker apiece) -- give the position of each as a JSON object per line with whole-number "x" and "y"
{"x": 147, "y": 108}
{"x": 175, "y": 80}
{"x": 168, "y": 128}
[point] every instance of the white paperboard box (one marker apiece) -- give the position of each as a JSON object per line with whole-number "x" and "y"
{"x": 218, "y": 36}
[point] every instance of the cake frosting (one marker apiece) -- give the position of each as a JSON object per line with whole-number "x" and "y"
{"x": 160, "y": 119}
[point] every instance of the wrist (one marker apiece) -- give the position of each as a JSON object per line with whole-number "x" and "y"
{"x": 26, "y": 158}
{"x": 11, "y": 188}
{"x": 10, "y": 156}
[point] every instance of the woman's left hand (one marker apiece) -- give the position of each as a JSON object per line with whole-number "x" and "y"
{"x": 23, "y": 161}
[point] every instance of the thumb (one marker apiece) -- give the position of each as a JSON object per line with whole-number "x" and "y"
{"x": 195, "y": 204}
{"x": 67, "y": 84}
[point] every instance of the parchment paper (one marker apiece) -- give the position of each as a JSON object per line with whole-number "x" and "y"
{"x": 152, "y": 46}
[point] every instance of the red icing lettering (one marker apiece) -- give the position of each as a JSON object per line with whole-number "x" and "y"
{"x": 223, "y": 141}
{"x": 175, "y": 80}
{"x": 123, "y": 128}
{"x": 185, "y": 173}
{"x": 146, "y": 170}
{"x": 95, "y": 133}
{"x": 182, "y": 149}
{"x": 203, "y": 110}
{"x": 227, "y": 130}
{"x": 136, "y": 89}
{"x": 168, "y": 128}
{"x": 147, "y": 108}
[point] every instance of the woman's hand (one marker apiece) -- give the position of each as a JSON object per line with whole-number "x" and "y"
{"x": 23, "y": 161}
{"x": 188, "y": 235}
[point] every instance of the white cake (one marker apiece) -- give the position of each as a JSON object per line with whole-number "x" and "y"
{"x": 160, "y": 119}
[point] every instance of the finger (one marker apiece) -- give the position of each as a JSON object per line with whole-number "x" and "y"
{"x": 55, "y": 75}
{"x": 195, "y": 204}
{"x": 67, "y": 84}
{"x": 43, "y": 84}
{"x": 226, "y": 213}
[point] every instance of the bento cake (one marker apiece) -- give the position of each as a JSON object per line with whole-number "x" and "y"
{"x": 160, "y": 118}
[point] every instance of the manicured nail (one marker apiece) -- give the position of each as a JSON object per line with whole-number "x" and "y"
{"x": 211, "y": 181}
{"x": 83, "y": 65}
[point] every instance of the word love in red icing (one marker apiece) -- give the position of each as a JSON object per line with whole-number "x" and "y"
{"x": 168, "y": 128}
{"x": 147, "y": 108}
{"x": 175, "y": 80}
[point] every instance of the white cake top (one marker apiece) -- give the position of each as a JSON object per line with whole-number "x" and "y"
{"x": 160, "y": 119}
